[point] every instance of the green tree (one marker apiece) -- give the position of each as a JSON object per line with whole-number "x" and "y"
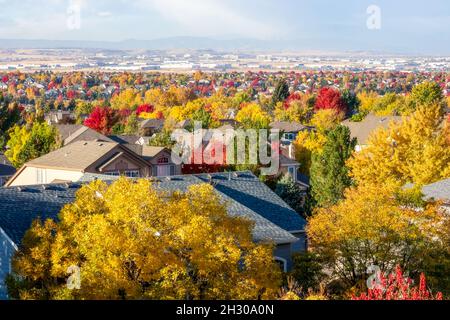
{"x": 281, "y": 92}
{"x": 9, "y": 116}
{"x": 329, "y": 173}
{"x": 427, "y": 93}
{"x": 291, "y": 193}
{"x": 351, "y": 101}
{"x": 162, "y": 139}
{"x": 132, "y": 126}
{"x": 26, "y": 143}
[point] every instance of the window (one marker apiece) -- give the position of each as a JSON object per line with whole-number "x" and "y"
{"x": 41, "y": 176}
{"x": 282, "y": 263}
{"x": 112, "y": 173}
{"x": 132, "y": 173}
{"x": 164, "y": 160}
{"x": 292, "y": 171}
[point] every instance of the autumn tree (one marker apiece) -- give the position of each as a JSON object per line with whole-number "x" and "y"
{"x": 28, "y": 143}
{"x": 372, "y": 227}
{"x": 329, "y": 98}
{"x": 329, "y": 173}
{"x": 398, "y": 286}
{"x": 415, "y": 150}
{"x": 251, "y": 116}
{"x": 132, "y": 241}
{"x": 102, "y": 119}
{"x": 427, "y": 93}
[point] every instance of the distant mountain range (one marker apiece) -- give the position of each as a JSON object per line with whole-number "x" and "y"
{"x": 179, "y": 43}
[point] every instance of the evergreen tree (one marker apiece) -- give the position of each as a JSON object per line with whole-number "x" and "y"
{"x": 291, "y": 193}
{"x": 281, "y": 92}
{"x": 329, "y": 174}
{"x": 351, "y": 101}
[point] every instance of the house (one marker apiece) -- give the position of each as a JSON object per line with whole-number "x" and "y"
{"x": 70, "y": 133}
{"x": 438, "y": 191}
{"x": 362, "y": 130}
{"x": 149, "y": 127}
{"x": 6, "y": 170}
{"x": 289, "y": 130}
{"x": 244, "y": 193}
{"x": 71, "y": 162}
{"x": 59, "y": 117}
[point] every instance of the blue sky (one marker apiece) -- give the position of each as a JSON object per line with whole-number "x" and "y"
{"x": 406, "y": 25}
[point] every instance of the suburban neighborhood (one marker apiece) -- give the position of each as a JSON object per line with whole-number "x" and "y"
{"x": 213, "y": 168}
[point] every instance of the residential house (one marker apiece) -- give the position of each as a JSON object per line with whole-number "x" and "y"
{"x": 71, "y": 162}
{"x": 70, "y": 133}
{"x": 59, "y": 117}
{"x": 149, "y": 127}
{"x": 362, "y": 130}
{"x": 245, "y": 195}
{"x": 6, "y": 170}
{"x": 289, "y": 130}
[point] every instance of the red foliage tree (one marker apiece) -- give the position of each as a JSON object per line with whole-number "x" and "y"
{"x": 293, "y": 97}
{"x": 101, "y": 120}
{"x": 398, "y": 287}
{"x": 147, "y": 108}
{"x": 329, "y": 98}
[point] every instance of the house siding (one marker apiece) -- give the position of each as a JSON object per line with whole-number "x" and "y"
{"x": 29, "y": 176}
{"x": 7, "y": 250}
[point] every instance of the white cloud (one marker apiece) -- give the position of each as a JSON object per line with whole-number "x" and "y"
{"x": 210, "y": 18}
{"x": 104, "y": 14}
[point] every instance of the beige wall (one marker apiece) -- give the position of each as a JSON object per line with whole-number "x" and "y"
{"x": 29, "y": 176}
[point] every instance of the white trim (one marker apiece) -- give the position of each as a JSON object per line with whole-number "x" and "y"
{"x": 282, "y": 260}
{"x": 9, "y": 239}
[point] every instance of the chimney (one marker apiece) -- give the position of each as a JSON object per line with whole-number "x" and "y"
{"x": 291, "y": 151}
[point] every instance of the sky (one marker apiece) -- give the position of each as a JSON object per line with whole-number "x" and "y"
{"x": 401, "y": 25}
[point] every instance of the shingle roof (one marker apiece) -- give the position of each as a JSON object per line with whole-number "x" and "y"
{"x": 287, "y": 126}
{"x": 362, "y": 130}
{"x": 6, "y": 168}
{"x": 21, "y": 206}
{"x": 125, "y": 139}
{"x": 438, "y": 191}
{"x": 245, "y": 194}
{"x": 76, "y": 156}
{"x": 71, "y": 133}
{"x": 152, "y": 123}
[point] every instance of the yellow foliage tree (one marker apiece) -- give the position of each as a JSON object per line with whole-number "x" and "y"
{"x": 252, "y": 116}
{"x": 132, "y": 241}
{"x": 415, "y": 150}
{"x": 326, "y": 119}
{"x": 367, "y": 101}
{"x": 127, "y": 99}
{"x": 371, "y": 226}
{"x": 305, "y": 145}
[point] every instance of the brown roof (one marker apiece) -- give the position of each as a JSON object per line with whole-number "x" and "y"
{"x": 286, "y": 126}
{"x": 77, "y": 156}
{"x": 72, "y": 133}
{"x": 362, "y": 130}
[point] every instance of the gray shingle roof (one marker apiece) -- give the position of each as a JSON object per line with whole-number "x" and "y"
{"x": 6, "y": 168}
{"x": 438, "y": 191}
{"x": 245, "y": 194}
